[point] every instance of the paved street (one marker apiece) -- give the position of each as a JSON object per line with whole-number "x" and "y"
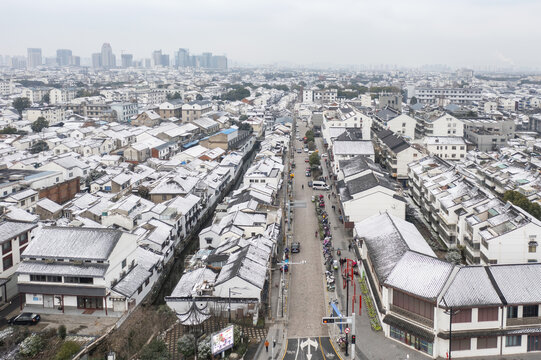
{"x": 306, "y": 304}
{"x": 314, "y": 348}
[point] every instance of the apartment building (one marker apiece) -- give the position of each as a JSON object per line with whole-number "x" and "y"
{"x": 53, "y": 114}
{"x": 439, "y": 125}
{"x": 488, "y": 134}
{"x": 439, "y": 95}
{"x": 446, "y": 147}
{"x": 391, "y": 119}
{"x": 195, "y": 109}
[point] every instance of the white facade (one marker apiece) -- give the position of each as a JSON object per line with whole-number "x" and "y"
{"x": 446, "y": 147}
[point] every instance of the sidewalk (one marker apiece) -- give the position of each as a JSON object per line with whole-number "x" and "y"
{"x": 278, "y": 333}
{"x": 370, "y": 345}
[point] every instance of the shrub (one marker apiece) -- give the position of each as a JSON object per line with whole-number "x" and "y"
{"x": 62, "y": 332}
{"x": 31, "y": 346}
{"x": 186, "y": 345}
{"x": 67, "y": 350}
{"x": 203, "y": 349}
{"x": 155, "y": 350}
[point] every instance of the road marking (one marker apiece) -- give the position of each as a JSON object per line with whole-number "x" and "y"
{"x": 309, "y": 342}
{"x": 285, "y": 352}
{"x": 321, "y": 347}
{"x": 336, "y": 352}
{"x": 298, "y": 345}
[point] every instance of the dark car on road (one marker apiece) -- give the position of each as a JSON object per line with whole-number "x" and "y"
{"x": 295, "y": 247}
{"x": 310, "y": 183}
{"x": 25, "y": 319}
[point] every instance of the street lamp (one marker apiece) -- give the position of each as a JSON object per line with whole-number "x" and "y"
{"x": 450, "y": 312}
{"x": 235, "y": 293}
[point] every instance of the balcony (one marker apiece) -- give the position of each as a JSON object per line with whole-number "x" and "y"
{"x": 417, "y": 318}
{"x": 524, "y": 321}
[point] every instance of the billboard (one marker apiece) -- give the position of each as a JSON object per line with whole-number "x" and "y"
{"x": 222, "y": 340}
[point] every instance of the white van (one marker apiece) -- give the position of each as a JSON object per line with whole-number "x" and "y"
{"x": 320, "y": 185}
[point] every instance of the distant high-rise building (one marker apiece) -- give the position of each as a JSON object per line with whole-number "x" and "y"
{"x": 147, "y": 63}
{"x": 63, "y": 57}
{"x": 165, "y": 60}
{"x": 34, "y": 57}
{"x": 219, "y": 62}
{"x": 75, "y": 60}
{"x": 157, "y": 58}
{"x": 108, "y": 60}
{"x": 183, "y": 58}
{"x": 127, "y": 60}
{"x": 1, "y": 60}
{"x": 96, "y": 60}
{"x": 206, "y": 59}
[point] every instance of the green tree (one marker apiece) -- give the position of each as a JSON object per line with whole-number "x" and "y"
{"x": 413, "y": 100}
{"x": 38, "y": 147}
{"x": 8, "y": 130}
{"x": 186, "y": 345}
{"x": 314, "y": 159}
{"x": 45, "y": 98}
{"x": 20, "y": 104}
{"x": 309, "y": 135}
{"x": 155, "y": 350}
{"x": 173, "y": 96}
{"x": 236, "y": 94}
{"x": 39, "y": 124}
{"x": 62, "y": 332}
{"x": 311, "y": 146}
{"x": 246, "y": 127}
{"x": 199, "y": 97}
{"x": 243, "y": 117}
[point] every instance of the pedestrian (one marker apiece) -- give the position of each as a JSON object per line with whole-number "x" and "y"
{"x": 316, "y": 233}
{"x": 329, "y": 196}
{"x": 303, "y": 186}
{"x": 350, "y": 246}
{"x": 267, "y": 345}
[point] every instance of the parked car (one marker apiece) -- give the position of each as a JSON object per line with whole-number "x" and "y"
{"x": 305, "y": 149}
{"x": 299, "y": 150}
{"x": 308, "y": 174}
{"x": 306, "y": 160}
{"x": 295, "y": 247}
{"x": 25, "y": 319}
{"x": 313, "y": 198}
{"x": 310, "y": 183}
{"x": 323, "y": 155}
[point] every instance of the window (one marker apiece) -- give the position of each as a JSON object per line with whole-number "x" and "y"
{"x": 6, "y": 247}
{"x": 515, "y": 340}
{"x": 78, "y": 280}
{"x": 461, "y": 344}
{"x": 33, "y": 198}
{"x": 164, "y": 197}
{"x": 209, "y": 240}
{"x": 487, "y": 314}
{"x": 147, "y": 281}
{"x": 46, "y": 278}
{"x": 124, "y": 262}
{"x": 463, "y": 316}
{"x": 453, "y": 147}
{"x": 23, "y": 238}
{"x": 490, "y": 342}
{"x": 530, "y": 311}
{"x": 532, "y": 246}
{"x": 7, "y": 262}
{"x": 140, "y": 289}
{"x": 70, "y": 174}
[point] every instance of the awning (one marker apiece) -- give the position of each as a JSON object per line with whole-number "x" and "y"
{"x": 409, "y": 327}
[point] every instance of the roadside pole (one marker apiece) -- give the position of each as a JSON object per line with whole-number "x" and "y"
{"x": 353, "y": 337}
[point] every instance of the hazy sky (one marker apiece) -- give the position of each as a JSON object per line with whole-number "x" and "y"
{"x": 404, "y": 32}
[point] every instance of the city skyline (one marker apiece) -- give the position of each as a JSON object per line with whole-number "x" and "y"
{"x": 468, "y": 33}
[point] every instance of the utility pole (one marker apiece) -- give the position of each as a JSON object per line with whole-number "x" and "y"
{"x": 347, "y": 308}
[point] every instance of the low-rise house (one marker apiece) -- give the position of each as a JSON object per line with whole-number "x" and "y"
{"x": 391, "y": 119}
{"x": 77, "y": 268}
{"x": 14, "y": 237}
{"x": 395, "y": 154}
{"x": 369, "y": 194}
{"x": 48, "y": 209}
{"x": 147, "y": 118}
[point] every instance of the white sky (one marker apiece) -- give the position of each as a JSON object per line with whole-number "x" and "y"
{"x": 403, "y": 32}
